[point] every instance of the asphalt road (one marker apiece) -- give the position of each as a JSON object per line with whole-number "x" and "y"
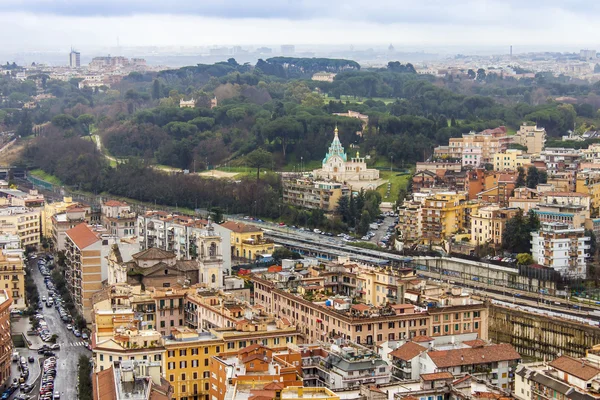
{"x": 71, "y": 347}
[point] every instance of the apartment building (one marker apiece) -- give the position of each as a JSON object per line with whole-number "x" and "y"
{"x": 564, "y": 378}
{"x": 472, "y": 157}
{"x": 18, "y": 198}
{"x": 532, "y": 137}
{"x": 186, "y": 236}
{"x": 369, "y": 325}
{"x": 558, "y": 159}
{"x": 117, "y": 219}
{"x": 308, "y": 193}
{"x": 487, "y": 224}
{"x": 342, "y": 366}
{"x": 490, "y": 141}
{"x": 9, "y": 241}
{"x": 274, "y": 370}
{"x": 248, "y": 241}
{"x": 23, "y": 222}
{"x": 588, "y": 182}
{"x": 133, "y": 380}
{"x": 12, "y": 270}
{"x": 445, "y": 214}
{"x": 6, "y": 343}
{"x": 186, "y": 361}
{"x": 524, "y": 198}
{"x": 410, "y": 221}
{"x": 127, "y": 343}
{"x": 511, "y": 160}
{"x": 73, "y": 215}
{"x": 51, "y": 209}
{"x": 562, "y": 248}
{"x": 494, "y": 363}
{"x": 83, "y": 259}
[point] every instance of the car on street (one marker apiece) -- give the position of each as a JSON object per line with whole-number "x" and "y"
{"x": 31, "y": 359}
{"x": 76, "y": 333}
{"x": 55, "y": 346}
{"x": 69, "y": 327}
{"x": 84, "y": 336}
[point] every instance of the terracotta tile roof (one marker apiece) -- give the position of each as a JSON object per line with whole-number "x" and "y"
{"x": 114, "y": 203}
{"x": 421, "y": 338}
{"x": 361, "y": 307}
{"x": 82, "y": 236}
{"x": 408, "y": 351}
{"x": 103, "y": 385}
{"x": 470, "y": 356}
{"x": 238, "y": 227}
{"x": 273, "y": 386}
{"x": 475, "y": 343}
{"x": 437, "y": 376}
{"x": 260, "y": 357}
{"x": 576, "y": 367}
{"x": 153, "y": 253}
{"x": 461, "y": 380}
{"x": 250, "y": 348}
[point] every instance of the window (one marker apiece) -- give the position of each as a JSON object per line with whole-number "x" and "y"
{"x": 182, "y": 353}
{"x": 195, "y": 352}
{"x": 456, "y": 327}
{"x": 171, "y": 365}
{"x": 476, "y": 325}
{"x": 183, "y": 388}
{"x": 206, "y": 362}
{"x": 206, "y": 350}
{"x": 182, "y": 364}
{"x": 171, "y": 353}
{"x": 183, "y": 377}
{"x": 101, "y": 357}
{"x": 194, "y": 363}
{"x": 171, "y": 378}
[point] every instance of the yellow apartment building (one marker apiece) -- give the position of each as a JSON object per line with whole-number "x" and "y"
{"x": 383, "y": 285}
{"x": 445, "y": 214}
{"x": 588, "y": 182}
{"x": 487, "y": 224}
{"x": 51, "y": 209}
{"x": 83, "y": 252}
{"x": 247, "y": 241}
{"x": 532, "y": 137}
{"x": 186, "y": 359}
{"x": 491, "y": 141}
{"x": 409, "y": 221}
{"x": 510, "y": 160}
{"x": 23, "y": 222}
{"x": 13, "y": 276}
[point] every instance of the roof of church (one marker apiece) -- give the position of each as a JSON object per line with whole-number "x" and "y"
{"x": 335, "y": 149}
{"x": 153, "y": 253}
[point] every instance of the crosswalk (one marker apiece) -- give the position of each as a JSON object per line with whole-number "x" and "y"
{"x": 75, "y": 344}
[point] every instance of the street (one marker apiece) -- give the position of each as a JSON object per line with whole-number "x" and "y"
{"x": 71, "y": 347}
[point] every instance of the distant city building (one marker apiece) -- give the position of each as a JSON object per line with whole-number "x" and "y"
{"x": 323, "y": 76}
{"x": 288, "y": 49}
{"x": 74, "y": 59}
{"x": 587, "y": 55}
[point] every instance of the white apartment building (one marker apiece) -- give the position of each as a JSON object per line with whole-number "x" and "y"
{"x": 561, "y": 247}
{"x": 23, "y": 222}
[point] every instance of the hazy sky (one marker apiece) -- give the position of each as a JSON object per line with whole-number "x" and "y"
{"x": 56, "y": 24}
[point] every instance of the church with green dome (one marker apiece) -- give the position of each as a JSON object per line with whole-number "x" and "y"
{"x": 336, "y": 166}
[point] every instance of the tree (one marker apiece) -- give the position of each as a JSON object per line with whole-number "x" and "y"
{"x": 258, "y": 159}
{"x": 520, "y": 177}
{"x": 533, "y": 177}
{"x": 481, "y": 74}
{"x": 156, "y": 89}
{"x": 363, "y": 225}
{"x": 471, "y": 74}
{"x": 25, "y": 128}
{"x": 524, "y": 259}
{"x": 86, "y": 121}
{"x": 64, "y": 121}
{"x": 282, "y": 253}
{"x": 217, "y": 214}
{"x": 516, "y": 236}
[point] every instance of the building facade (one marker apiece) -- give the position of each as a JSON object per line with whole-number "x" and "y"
{"x": 307, "y": 193}
{"x": 6, "y": 343}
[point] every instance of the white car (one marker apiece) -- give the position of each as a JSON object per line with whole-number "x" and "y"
{"x": 69, "y": 327}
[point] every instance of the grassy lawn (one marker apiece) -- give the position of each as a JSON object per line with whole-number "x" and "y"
{"x": 38, "y": 173}
{"x": 510, "y": 131}
{"x": 397, "y": 179}
{"x": 306, "y": 165}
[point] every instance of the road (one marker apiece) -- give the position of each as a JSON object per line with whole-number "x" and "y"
{"x": 71, "y": 347}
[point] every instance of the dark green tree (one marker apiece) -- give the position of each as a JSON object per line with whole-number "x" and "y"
{"x": 258, "y": 159}
{"x": 86, "y": 121}
{"x": 156, "y": 89}
{"x": 533, "y": 177}
{"x": 520, "y": 177}
{"x": 25, "y": 128}
{"x": 363, "y": 225}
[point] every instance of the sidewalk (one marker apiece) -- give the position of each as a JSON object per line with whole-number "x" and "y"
{"x": 21, "y": 326}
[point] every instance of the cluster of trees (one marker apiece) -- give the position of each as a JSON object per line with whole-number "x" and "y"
{"x": 292, "y": 67}
{"x": 516, "y": 236}
{"x": 357, "y": 212}
{"x": 532, "y": 179}
{"x": 84, "y": 386}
